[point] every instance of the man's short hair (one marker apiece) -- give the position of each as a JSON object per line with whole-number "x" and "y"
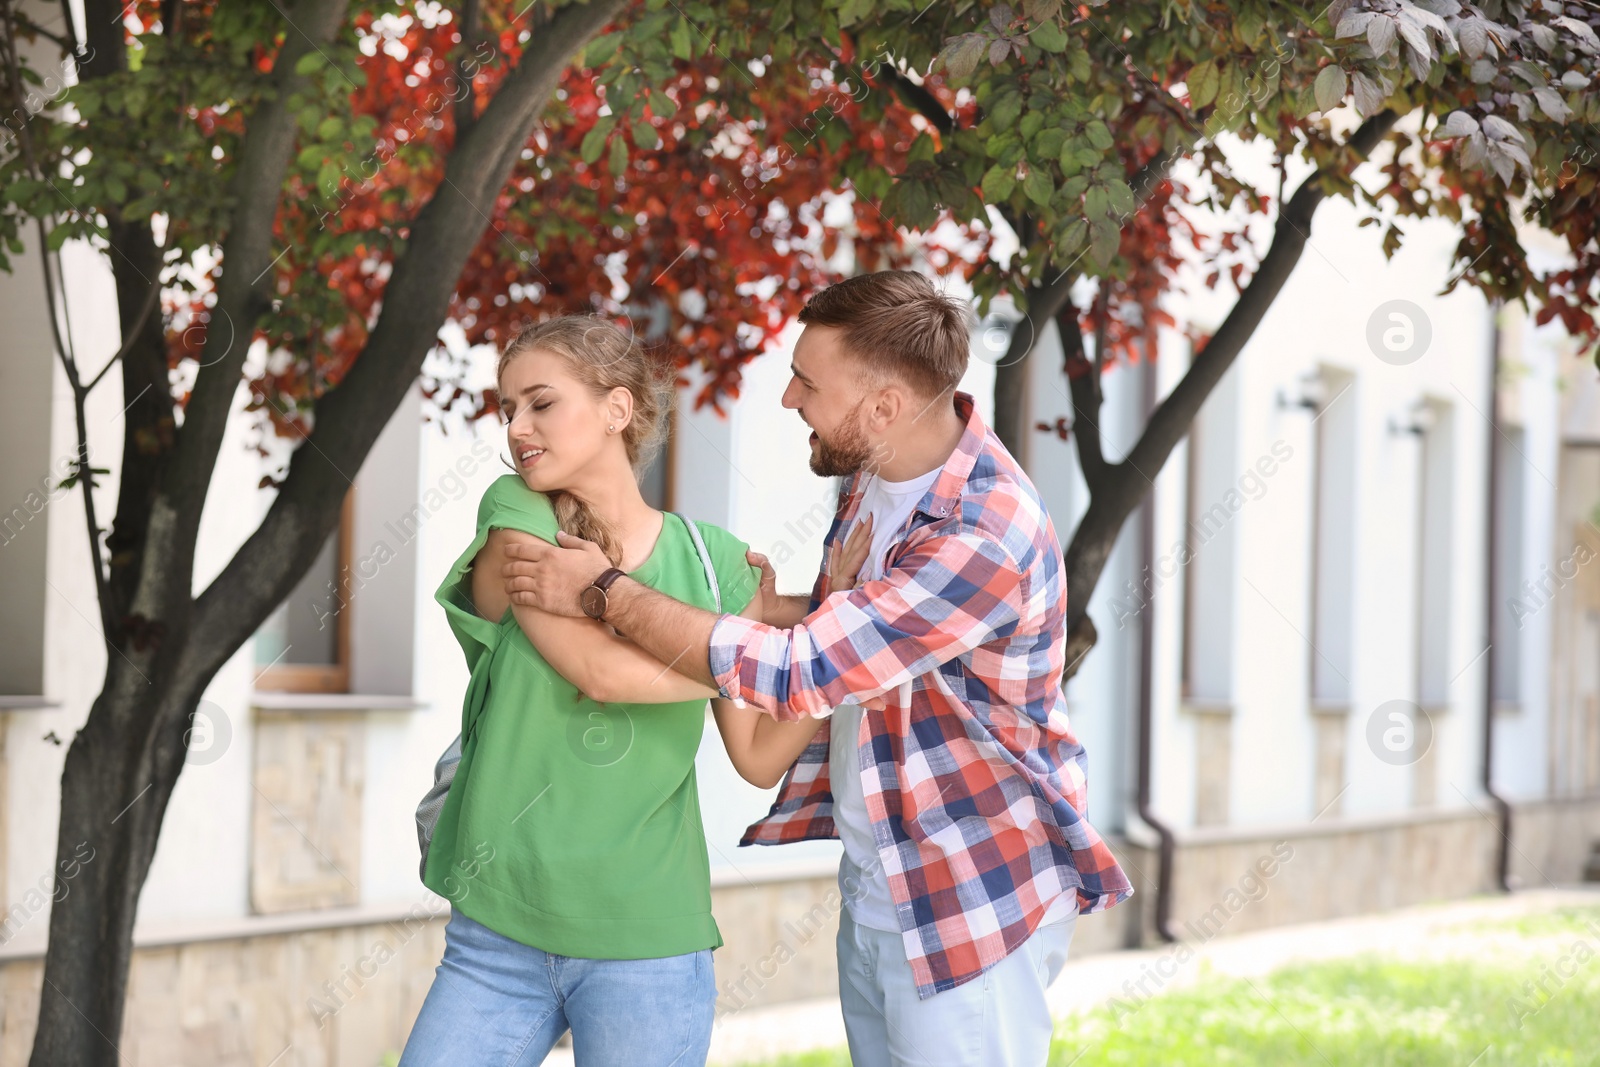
{"x": 899, "y": 326}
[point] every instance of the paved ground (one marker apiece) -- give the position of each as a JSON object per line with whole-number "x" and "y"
{"x": 1426, "y": 931}
{"x": 1419, "y": 932}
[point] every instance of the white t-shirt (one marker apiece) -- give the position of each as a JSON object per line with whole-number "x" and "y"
{"x": 890, "y": 504}
{"x": 867, "y": 894}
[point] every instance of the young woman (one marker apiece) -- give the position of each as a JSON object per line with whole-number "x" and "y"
{"x": 570, "y": 844}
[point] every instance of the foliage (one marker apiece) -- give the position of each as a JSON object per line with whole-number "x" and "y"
{"x": 1074, "y": 102}
{"x": 684, "y": 178}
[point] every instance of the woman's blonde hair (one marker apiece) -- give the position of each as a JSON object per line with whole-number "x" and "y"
{"x": 602, "y": 356}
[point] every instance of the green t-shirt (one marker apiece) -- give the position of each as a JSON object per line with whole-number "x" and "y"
{"x": 574, "y": 826}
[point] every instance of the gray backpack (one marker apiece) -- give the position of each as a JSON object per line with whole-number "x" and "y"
{"x": 444, "y": 770}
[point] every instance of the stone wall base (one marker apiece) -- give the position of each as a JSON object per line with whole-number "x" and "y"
{"x": 343, "y": 995}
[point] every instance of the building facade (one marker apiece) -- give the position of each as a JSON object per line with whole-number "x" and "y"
{"x": 1362, "y": 554}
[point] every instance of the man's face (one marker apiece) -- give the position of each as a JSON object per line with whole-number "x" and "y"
{"x": 827, "y": 390}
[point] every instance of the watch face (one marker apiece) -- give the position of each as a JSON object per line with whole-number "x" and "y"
{"x": 593, "y": 601}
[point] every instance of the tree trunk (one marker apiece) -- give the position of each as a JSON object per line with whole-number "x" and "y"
{"x": 164, "y": 644}
{"x": 1044, "y": 300}
{"x": 1115, "y": 489}
{"x": 115, "y": 787}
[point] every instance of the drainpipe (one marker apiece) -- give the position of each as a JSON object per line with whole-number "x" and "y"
{"x": 1147, "y": 545}
{"x": 1503, "y": 858}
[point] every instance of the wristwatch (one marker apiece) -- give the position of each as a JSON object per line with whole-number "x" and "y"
{"x": 593, "y": 597}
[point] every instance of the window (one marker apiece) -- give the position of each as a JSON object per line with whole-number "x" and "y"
{"x": 1435, "y": 555}
{"x": 1510, "y": 446}
{"x": 1211, "y": 533}
{"x": 1333, "y": 543}
{"x": 304, "y": 645}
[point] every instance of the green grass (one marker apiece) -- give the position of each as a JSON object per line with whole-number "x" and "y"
{"x": 1365, "y": 1011}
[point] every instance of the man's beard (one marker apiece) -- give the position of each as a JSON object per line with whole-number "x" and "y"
{"x": 847, "y": 453}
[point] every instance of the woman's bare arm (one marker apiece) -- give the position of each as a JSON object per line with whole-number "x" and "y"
{"x": 586, "y": 652}
{"x": 761, "y": 747}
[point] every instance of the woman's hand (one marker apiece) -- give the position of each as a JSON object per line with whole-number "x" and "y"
{"x": 846, "y": 560}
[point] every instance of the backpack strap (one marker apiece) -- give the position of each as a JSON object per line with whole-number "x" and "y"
{"x": 705, "y": 559}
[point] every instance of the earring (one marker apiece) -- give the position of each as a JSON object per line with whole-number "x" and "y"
{"x": 611, "y": 429}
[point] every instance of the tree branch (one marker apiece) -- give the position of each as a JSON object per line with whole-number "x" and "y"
{"x": 1046, "y": 303}
{"x": 1084, "y": 388}
{"x": 167, "y": 561}
{"x": 1124, "y": 484}
{"x": 415, "y": 303}
{"x": 152, "y": 298}
{"x": 1172, "y": 417}
{"x": 467, "y": 106}
{"x": 1044, "y": 300}
{"x": 43, "y": 225}
{"x": 918, "y": 98}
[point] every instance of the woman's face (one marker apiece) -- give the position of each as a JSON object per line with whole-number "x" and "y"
{"x": 555, "y": 426}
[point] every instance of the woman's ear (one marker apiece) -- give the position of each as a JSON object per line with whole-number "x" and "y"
{"x": 619, "y": 408}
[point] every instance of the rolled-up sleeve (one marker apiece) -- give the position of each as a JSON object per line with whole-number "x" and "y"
{"x": 946, "y": 596}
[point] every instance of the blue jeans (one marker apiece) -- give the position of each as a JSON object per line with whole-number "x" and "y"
{"x": 496, "y": 1002}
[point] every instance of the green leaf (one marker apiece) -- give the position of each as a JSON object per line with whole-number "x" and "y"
{"x": 1005, "y": 111}
{"x": 619, "y": 156}
{"x": 913, "y": 204}
{"x": 645, "y": 136}
{"x": 309, "y": 63}
{"x": 1329, "y": 87}
{"x": 1203, "y": 81}
{"x": 1038, "y": 187}
{"x": 330, "y": 128}
{"x": 1048, "y": 144}
{"x": 601, "y": 49}
{"x": 1104, "y": 239}
{"x": 962, "y": 54}
{"x": 594, "y": 142}
{"x": 852, "y": 11}
{"x": 1078, "y": 65}
{"x": 1031, "y": 124}
{"x": 57, "y": 237}
{"x": 1070, "y": 237}
{"x": 682, "y": 43}
{"x": 1098, "y": 135}
{"x": 1122, "y": 200}
{"x": 1069, "y": 160}
{"x": 1049, "y": 37}
{"x": 1097, "y": 202}
{"x": 922, "y": 149}
{"x": 998, "y": 183}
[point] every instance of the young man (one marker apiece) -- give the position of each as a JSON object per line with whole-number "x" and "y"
{"x": 948, "y": 769}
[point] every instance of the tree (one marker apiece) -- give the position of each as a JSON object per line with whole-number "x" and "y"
{"x": 337, "y": 180}
{"x": 1095, "y": 137}
{"x": 331, "y": 184}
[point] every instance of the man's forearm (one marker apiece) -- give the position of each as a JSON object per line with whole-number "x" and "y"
{"x": 677, "y": 634}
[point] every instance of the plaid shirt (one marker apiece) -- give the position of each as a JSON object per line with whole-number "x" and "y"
{"x": 976, "y": 794}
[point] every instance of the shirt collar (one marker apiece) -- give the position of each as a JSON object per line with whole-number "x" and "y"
{"x": 945, "y": 494}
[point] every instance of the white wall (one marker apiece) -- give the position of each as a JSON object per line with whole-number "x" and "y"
{"x": 1322, "y": 317}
